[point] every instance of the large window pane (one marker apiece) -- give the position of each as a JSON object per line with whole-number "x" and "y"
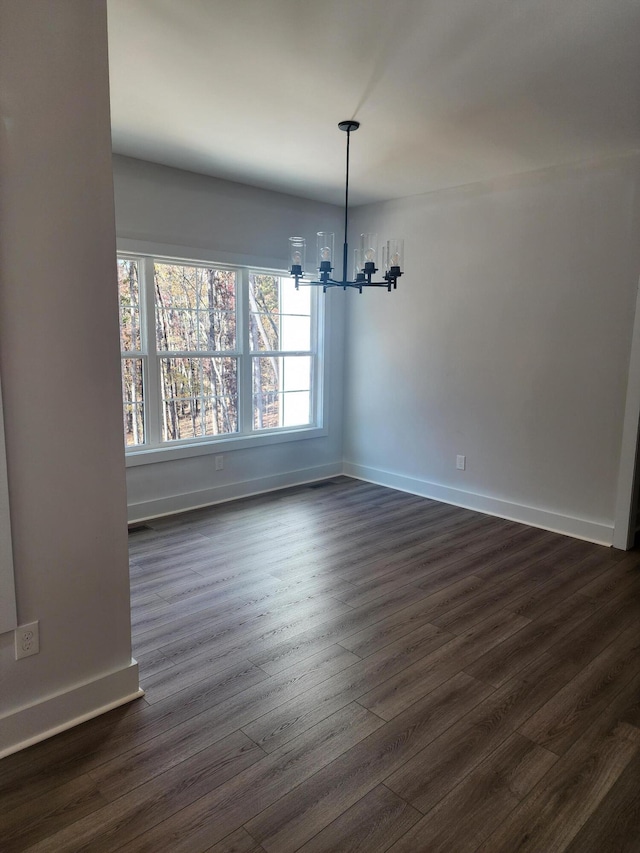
{"x": 133, "y": 401}
{"x": 296, "y": 373}
{"x": 280, "y": 317}
{"x": 129, "y": 299}
{"x": 295, "y": 409}
{"x": 295, "y": 333}
{"x": 294, "y": 301}
{"x": 199, "y": 397}
{"x": 195, "y": 308}
{"x": 264, "y": 319}
{"x": 281, "y": 391}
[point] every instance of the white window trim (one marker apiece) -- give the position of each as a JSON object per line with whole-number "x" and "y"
{"x": 210, "y": 445}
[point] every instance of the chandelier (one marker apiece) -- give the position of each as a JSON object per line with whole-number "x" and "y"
{"x": 365, "y": 256}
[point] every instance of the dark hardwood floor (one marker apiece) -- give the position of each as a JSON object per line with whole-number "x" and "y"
{"x": 342, "y": 667}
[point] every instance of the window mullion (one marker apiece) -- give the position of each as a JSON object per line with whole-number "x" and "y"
{"x": 245, "y": 379}
{"x": 152, "y": 373}
{"x": 318, "y": 320}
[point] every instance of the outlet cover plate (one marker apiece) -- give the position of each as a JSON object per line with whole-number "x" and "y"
{"x": 27, "y": 640}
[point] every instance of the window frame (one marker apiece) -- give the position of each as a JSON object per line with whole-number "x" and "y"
{"x": 155, "y": 450}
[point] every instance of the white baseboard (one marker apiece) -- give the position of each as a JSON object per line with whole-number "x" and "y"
{"x": 591, "y": 531}
{"x": 207, "y": 497}
{"x": 25, "y": 726}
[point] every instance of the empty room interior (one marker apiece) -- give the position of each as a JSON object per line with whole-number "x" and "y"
{"x": 319, "y": 414}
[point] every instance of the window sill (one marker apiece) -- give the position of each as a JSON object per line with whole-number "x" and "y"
{"x": 184, "y": 450}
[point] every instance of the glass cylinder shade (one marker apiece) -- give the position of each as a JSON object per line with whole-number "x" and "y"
{"x": 297, "y": 250}
{"x": 325, "y": 251}
{"x": 357, "y": 264}
{"x": 394, "y": 254}
{"x": 368, "y": 251}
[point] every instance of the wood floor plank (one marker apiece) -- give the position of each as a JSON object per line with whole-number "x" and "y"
{"x": 622, "y": 576}
{"x": 215, "y": 815}
{"x": 374, "y": 637}
{"x": 370, "y": 826}
{"x": 366, "y": 592}
{"x": 143, "y": 807}
{"x": 154, "y": 757}
{"x": 276, "y": 727}
{"x": 227, "y": 634}
{"x": 544, "y": 549}
{"x": 412, "y": 683}
{"x": 239, "y": 593}
{"x": 204, "y": 708}
{"x": 431, "y": 774}
{"x": 39, "y": 817}
{"x": 569, "y": 576}
{"x": 180, "y": 635}
{"x": 506, "y": 660}
{"x": 475, "y": 807}
{"x": 584, "y": 642}
{"x": 334, "y": 630}
{"x": 501, "y": 551}
{"x": 499, "y": 528}
{"x": 561, "y": 720}
{"x": 296, "y": 818}
{"x": 550, "y": 817}
{"x": 238, "y": 842}
{"x": 226, "y": 682}
{"x": 491, "y": 597}
{"x": 615, "y": 824}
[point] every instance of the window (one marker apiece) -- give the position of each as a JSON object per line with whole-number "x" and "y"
{"x": 131, "y": 346}
{"x": 280, "y": 340}
{"x": 195, "y": 322}
{"x": 212, "y": 352}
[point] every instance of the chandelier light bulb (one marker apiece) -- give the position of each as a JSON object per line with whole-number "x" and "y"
{"x": 369, "y": 251}
{"x": 325, "y": 251}
{"x": 297, "y": 246}
{"x": 394, "y": 254}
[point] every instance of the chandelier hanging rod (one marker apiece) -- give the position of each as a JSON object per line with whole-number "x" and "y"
{"x": 365, "y": 257}
{"x": 347, "y": 126}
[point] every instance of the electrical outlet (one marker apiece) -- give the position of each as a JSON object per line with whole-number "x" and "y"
{"x": 219, "y": 461}
{"x": 461, "y": 462}
{"x": 27, "y": 640}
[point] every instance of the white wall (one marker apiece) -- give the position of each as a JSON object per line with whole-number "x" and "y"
{"x": 8, "y": 613}
{"x": 159, "y": 205}
{"x": 59, "y": 363}
{"x": 508, "y": 341}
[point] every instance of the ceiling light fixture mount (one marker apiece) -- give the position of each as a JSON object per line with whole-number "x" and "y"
{"x": 365, "y": 257}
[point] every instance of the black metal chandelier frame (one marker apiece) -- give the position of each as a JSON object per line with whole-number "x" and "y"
{"x": 363, "y": 278}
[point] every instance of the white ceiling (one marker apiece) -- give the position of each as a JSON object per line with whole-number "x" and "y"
{"x": 447, "y": 91}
